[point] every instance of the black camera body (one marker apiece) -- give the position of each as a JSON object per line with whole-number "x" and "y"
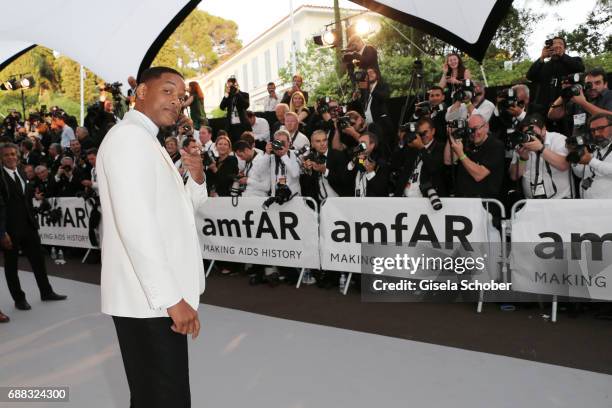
{"x": 518, "y": 138}
{"x": 208, "y": 158}
{"x": 410, "y": 128}
{"x": 360, "y": 148}
{"x": 577, "y": 144}
{"x": 508, "y": 99}
{"x": 464, "y": 92}
{"x": 281, "y": 196}
{"x": 114, "y": 88}
{"x": 345, "y": 122}
{"x": 277, "y": 145}
{"x": 460, "y": 129}
{"x": 425, "y": 109}
{"x": 316, "y": 157}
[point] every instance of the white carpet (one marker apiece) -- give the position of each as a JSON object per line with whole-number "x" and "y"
{"x": 248, "y": 360}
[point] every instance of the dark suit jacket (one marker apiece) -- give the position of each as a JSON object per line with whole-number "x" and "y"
{"x": 34, "y": 158}
{"x": 336, "y": 177}
{"x": 241, "y": 101}
{"x": 378, "y": 106}
{"x": 542, "y": 73}
{"x": 378, "y": 186}
{"x": 433, "y": 169}
{"x": 17, "y": 212}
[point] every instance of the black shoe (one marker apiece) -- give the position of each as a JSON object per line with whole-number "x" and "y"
{"x": 23, "y": 305}
{"x": 52, "y": 296}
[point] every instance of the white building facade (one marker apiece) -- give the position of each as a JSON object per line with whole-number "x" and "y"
{"x": 259, "y": 62}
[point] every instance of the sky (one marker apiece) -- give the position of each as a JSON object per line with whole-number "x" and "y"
{"x": 253, "y": 18}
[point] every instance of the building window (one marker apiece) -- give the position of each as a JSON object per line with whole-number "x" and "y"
{"x": 268, "y": 66}
{"x": 280, "y": 55}
{"x": 255, "y": 72}
{"x": 245, "y": 77}
{"x": 296, "y": 39}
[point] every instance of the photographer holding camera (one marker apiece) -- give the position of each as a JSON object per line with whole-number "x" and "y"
{"x": 67, "y": 180}
{"x": 539, "y": 158}
{"x": 461, "y": 97}
{"x": 591, "y": 158}
{"x": 261, "y": 129}
{"x": 592, "y": 98}
{"x": 235, "y": 102}
{"x": 357, "y": 50}
{"x": 254, "y": 178}
{"x": 283, "y": 164}
{"x": 479, "y": 159}
{"x": 295, "y": 87}
{"x": 367, "y": 173}
{"x": 479, "y": 104}
{"x": 323, "y": 170}
{"x": 547, "y": 74}
{"x": 434, "y": 109}
{"x": 424, "y": 164}
{"x": 349, "y": 129}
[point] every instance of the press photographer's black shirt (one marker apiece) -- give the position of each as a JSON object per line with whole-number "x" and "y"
{"x": 490, "y": 155}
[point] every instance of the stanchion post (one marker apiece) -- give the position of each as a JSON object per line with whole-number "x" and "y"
{"x": 212, "y": 262}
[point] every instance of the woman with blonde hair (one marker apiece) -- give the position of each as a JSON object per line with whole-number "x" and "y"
{"x": 297, "y": 105}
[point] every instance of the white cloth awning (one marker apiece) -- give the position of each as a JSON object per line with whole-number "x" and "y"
{"x": 116, "y": 41}
{"x": 467, "y": 25}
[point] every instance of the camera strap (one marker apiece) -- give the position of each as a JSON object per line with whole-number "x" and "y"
{"x": 599, "y": 157}
{"x": 249, "y": 165}
{"x": 535, "y": 184}
{"x": 280, "y": 164}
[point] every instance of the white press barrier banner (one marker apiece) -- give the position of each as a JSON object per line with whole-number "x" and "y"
{"x": 283, "y": 235}
{"x": 347, "y": 223}
{"x": 66, "y": 223}
{"x": 563, "y": 247}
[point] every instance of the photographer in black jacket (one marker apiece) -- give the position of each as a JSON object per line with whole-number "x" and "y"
{"x": 236, "y": 103}
{"x": 547, "y": 74}
{"x": 424, "y": 161}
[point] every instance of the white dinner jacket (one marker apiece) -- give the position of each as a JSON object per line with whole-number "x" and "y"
{"x": 151, "y": 255}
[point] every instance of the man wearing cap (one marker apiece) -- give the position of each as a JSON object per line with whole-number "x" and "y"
{"x": 541, "y": 162}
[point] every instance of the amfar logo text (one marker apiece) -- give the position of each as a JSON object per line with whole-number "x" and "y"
{"x": 555, "y": 248}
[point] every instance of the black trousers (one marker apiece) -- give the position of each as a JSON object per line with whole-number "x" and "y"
{"x": 29, "y": 243}
{"x": 156, "y": 362}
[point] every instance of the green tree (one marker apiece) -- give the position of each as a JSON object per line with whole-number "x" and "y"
{"x": 587, "y": 37}
{"x": 200, "y": 43}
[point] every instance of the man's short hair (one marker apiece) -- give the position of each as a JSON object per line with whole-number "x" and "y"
{"x": 425, "y": 120}
{"x": 82, "y": 129}
{"x": 282, "y": 105}
{"x": 601, "y": 115}
{"x": 248, "y": 137}
{"x": 187, "y": 140}
{"x": 318, "y": 132}
{"x": 170, "y": 139}
{"x": 597, "y": 71}
{"x": 242, "y": 145}
{"x": 295, "y": 115}
{"x": 436, "y": 88}
{"x": 282, "y": 132}
{"x": 271, "y": 83}
{"x": 250, "y": 114}
{"x": 524, "y": 87}
{"x": 56, "y": 146}
{"x": 92, "y": 150}
{"x": 221, "y": 132}
{"x": 40, "y": 168}
{"x": 560, "y": 38}
{"x": 156, "y": 72}
{"x": 9, "y": 145}
{"x": 371, "y": 137}
{"x": 208, "y": 128}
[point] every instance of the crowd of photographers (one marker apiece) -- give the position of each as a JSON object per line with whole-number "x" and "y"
{"x": 547, "y": 140}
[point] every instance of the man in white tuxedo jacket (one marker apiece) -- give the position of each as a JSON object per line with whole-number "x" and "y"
{"x": 152, "y": 271}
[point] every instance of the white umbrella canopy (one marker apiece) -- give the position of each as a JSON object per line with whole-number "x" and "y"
{"x": 467, "y": 25}
{"x": 116, "y": 41}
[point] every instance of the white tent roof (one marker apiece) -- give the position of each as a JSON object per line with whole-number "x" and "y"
{"x": 468, "y": 25}
{"x": 116, "y": 41}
